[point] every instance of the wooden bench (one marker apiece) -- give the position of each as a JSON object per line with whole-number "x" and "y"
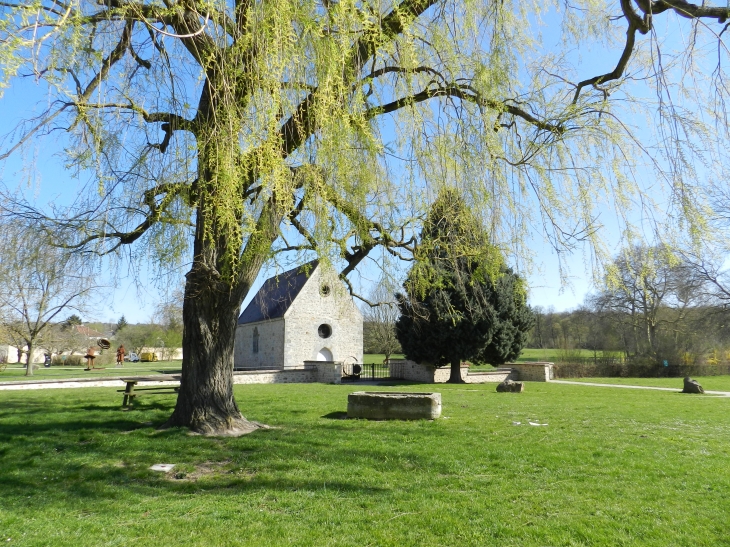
{"x": 133, "y": 387}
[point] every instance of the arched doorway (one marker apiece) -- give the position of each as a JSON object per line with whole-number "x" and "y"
{"x": 325, "y": 355}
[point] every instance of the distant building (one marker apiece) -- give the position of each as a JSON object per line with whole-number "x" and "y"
{"x": 299, "y": 315}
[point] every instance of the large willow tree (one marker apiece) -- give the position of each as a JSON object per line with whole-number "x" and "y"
{"x": 244, "y": 128}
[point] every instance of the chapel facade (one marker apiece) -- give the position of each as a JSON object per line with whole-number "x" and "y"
{"x": 297, "y": 316}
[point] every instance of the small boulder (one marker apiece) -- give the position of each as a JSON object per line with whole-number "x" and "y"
{"x": 692, "y": 386}
{"x": 509, "y": 386}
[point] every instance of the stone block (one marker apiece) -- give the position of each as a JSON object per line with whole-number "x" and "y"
{"x": 692, "y": 386}
{"x": 392, "y": 405}
{"x": 509, "y": 386}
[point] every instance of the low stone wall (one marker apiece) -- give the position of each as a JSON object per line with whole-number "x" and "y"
{"x": 403, "y": 369}
{"x": 541, "y": 371}
{"x": 291, "y": 376}
{"x": 491, "y": 376}
{"x": 326, "y": 372}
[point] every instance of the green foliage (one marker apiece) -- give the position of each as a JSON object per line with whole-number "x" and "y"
{"x": 462, "y": 302}
{"x": 513, "y": 320}
{"x": 136, "y": 337}
{"x": 121, "y": 323}
{"x": 72, "y": 321}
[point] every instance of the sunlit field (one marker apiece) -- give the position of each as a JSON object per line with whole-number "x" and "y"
{"x": 611, "y": 467}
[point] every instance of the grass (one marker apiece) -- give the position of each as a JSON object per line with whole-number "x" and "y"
{"x": 528, "y": 354}
{"x": 613, "y": 467}
{"x": 16, "y": 372}
{"x": 551, "y": 355}
{"x": 712, "y": 383}
{"x": 378, "y": 358}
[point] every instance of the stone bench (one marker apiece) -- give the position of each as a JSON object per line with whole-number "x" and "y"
{"x": 393, "y": 405}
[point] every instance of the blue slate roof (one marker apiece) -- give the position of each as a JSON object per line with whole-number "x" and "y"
{"x": 277, "y": 294}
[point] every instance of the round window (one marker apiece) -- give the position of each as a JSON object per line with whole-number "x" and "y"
{"x": 324, "y": 331}
{"x": 324, "y": 290}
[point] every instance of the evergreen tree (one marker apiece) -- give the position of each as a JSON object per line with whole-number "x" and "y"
{"x": 121, "y": 323}
{"x": 513, "y": 321}
{"x": 447, "y": 313}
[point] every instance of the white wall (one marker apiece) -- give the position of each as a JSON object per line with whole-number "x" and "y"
{"x": 10, "y": 353}
{"x": 310, "y": 310}
{"x": 271, "y": 345}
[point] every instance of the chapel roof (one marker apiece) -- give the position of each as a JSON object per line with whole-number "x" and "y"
{"x": 277, "y": 294}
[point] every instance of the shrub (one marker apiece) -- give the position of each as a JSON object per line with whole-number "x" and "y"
{"x": 638, "y": 368}
{"x": 67, "y": 360}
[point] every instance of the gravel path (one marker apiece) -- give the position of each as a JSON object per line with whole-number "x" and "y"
{"x": 676, "y": 390}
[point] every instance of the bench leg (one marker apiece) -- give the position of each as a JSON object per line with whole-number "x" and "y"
{"x": 128, "y": 395}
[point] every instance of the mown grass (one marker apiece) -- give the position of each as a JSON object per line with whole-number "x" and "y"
{"x": 713, "y": 383}
{"x": 528, "y": 354}
{"x": 551, "y": 355}
{"x": 16, "y": 372}
{"x": 613, "y": 467}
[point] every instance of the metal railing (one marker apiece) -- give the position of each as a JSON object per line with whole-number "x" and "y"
{"x": 353, "y": 372}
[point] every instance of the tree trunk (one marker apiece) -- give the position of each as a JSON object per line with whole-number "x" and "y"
{"x": 205, "y": 402}
{"x": 29, "y": 364}
{"x": 455, "y": 377}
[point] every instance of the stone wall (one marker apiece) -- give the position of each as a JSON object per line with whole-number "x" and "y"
{"x": 533, "y": 372}
{"x": 328, "y": 372}
{"x": 296, "y": 376}
{"x": 314, "y": 307}
{"x": 492, "y": 376}
{"x": 271, "y": 345}
{"x": 428, "y": 374}
{"x": 403, "y": 369}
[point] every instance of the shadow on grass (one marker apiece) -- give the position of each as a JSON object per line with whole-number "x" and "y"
{"x": 63, "y": 448}
{"x": 336, "y": 416}
{"x": 63, "y": 464}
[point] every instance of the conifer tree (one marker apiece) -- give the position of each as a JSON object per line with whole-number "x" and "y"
{"x": 447, "y": 314}
{"x": 513, "y": 319}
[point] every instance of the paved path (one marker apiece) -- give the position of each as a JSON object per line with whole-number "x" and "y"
{"x": 596, "y": 384}
{"x": 74, "y": 383}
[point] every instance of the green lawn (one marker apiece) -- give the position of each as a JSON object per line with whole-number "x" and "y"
{"x": 15, "y": 372}
{"x": 551, "y": 355}
{"x": 613, "y": 467}
{"x": 528, "y": 354}
{"x": 713, "y": 383}
{"x": 378, "y": 358}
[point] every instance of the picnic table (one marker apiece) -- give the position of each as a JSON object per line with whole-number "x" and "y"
{"x": 147, "y": 383}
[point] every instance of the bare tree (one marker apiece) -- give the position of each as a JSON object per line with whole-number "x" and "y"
{"x": 59, "y": 338}
{"x": 38, "y": 283}
{"x": 380, "y": 321}
{"x": 640, "y": 283}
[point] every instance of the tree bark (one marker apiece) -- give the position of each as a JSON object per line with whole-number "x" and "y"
{"x": 455, "y": 377}
{"x": 29, "y": 364}
{"x": 205, "y": 402}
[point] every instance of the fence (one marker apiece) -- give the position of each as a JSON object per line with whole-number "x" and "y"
{"x": 354, "y": 372}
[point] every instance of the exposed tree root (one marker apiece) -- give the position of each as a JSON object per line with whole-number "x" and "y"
{"x": 229, "y": 427}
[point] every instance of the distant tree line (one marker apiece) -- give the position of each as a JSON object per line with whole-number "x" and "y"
{"x": 654, "y": 303}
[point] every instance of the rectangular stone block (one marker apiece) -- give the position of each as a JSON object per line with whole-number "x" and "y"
{"x": 392, "y": 405}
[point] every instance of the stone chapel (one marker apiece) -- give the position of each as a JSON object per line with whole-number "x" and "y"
{"x": 297, "y": 316}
